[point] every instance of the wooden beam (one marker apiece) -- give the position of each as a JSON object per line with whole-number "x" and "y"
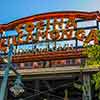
{"x": 47, "y": 56}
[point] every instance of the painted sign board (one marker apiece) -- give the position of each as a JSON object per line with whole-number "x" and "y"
{"x": 49, "y": 26}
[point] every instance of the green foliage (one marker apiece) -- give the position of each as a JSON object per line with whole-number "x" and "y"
{"x": 96, "y": 82}
{"x": 93, "y": 53}
{"x": 96, "y": 79}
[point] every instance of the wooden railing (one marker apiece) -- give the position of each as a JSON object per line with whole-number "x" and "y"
{"x": 47, "y": 56}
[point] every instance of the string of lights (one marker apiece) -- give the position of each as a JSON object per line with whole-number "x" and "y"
{"x": 44, "y": 92}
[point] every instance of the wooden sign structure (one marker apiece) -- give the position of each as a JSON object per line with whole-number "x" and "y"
{"x": 48, "y": 27}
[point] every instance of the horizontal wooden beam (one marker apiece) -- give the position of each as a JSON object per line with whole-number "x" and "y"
{"x": 47, "y": 56}
{"x": 44, "y": 16}
{"x": 53, "y": 72}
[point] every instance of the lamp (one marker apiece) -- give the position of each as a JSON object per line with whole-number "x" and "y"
{"x": 17, "y": 89}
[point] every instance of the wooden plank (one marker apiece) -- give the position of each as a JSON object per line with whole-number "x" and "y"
{"x": 46, "y": 56}
{"x": 53, "y": 70}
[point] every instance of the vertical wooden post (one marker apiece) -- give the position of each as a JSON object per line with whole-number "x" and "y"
{"x": 37, "y": 86}
{"x": 66, "y": 95}
{"x": 86, "y": 87}
{"x": 6, "y": 94}
{"x": 6, "y": 74}
{"x": 4, "y": 84}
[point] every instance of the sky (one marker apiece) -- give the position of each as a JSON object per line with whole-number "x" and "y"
{"x": 11, "y": 10}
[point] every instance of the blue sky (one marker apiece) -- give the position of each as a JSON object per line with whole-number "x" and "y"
{"x": 14, "y": 9}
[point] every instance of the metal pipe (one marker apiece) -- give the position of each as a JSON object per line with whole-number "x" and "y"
{"x": 6, "y": 74}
